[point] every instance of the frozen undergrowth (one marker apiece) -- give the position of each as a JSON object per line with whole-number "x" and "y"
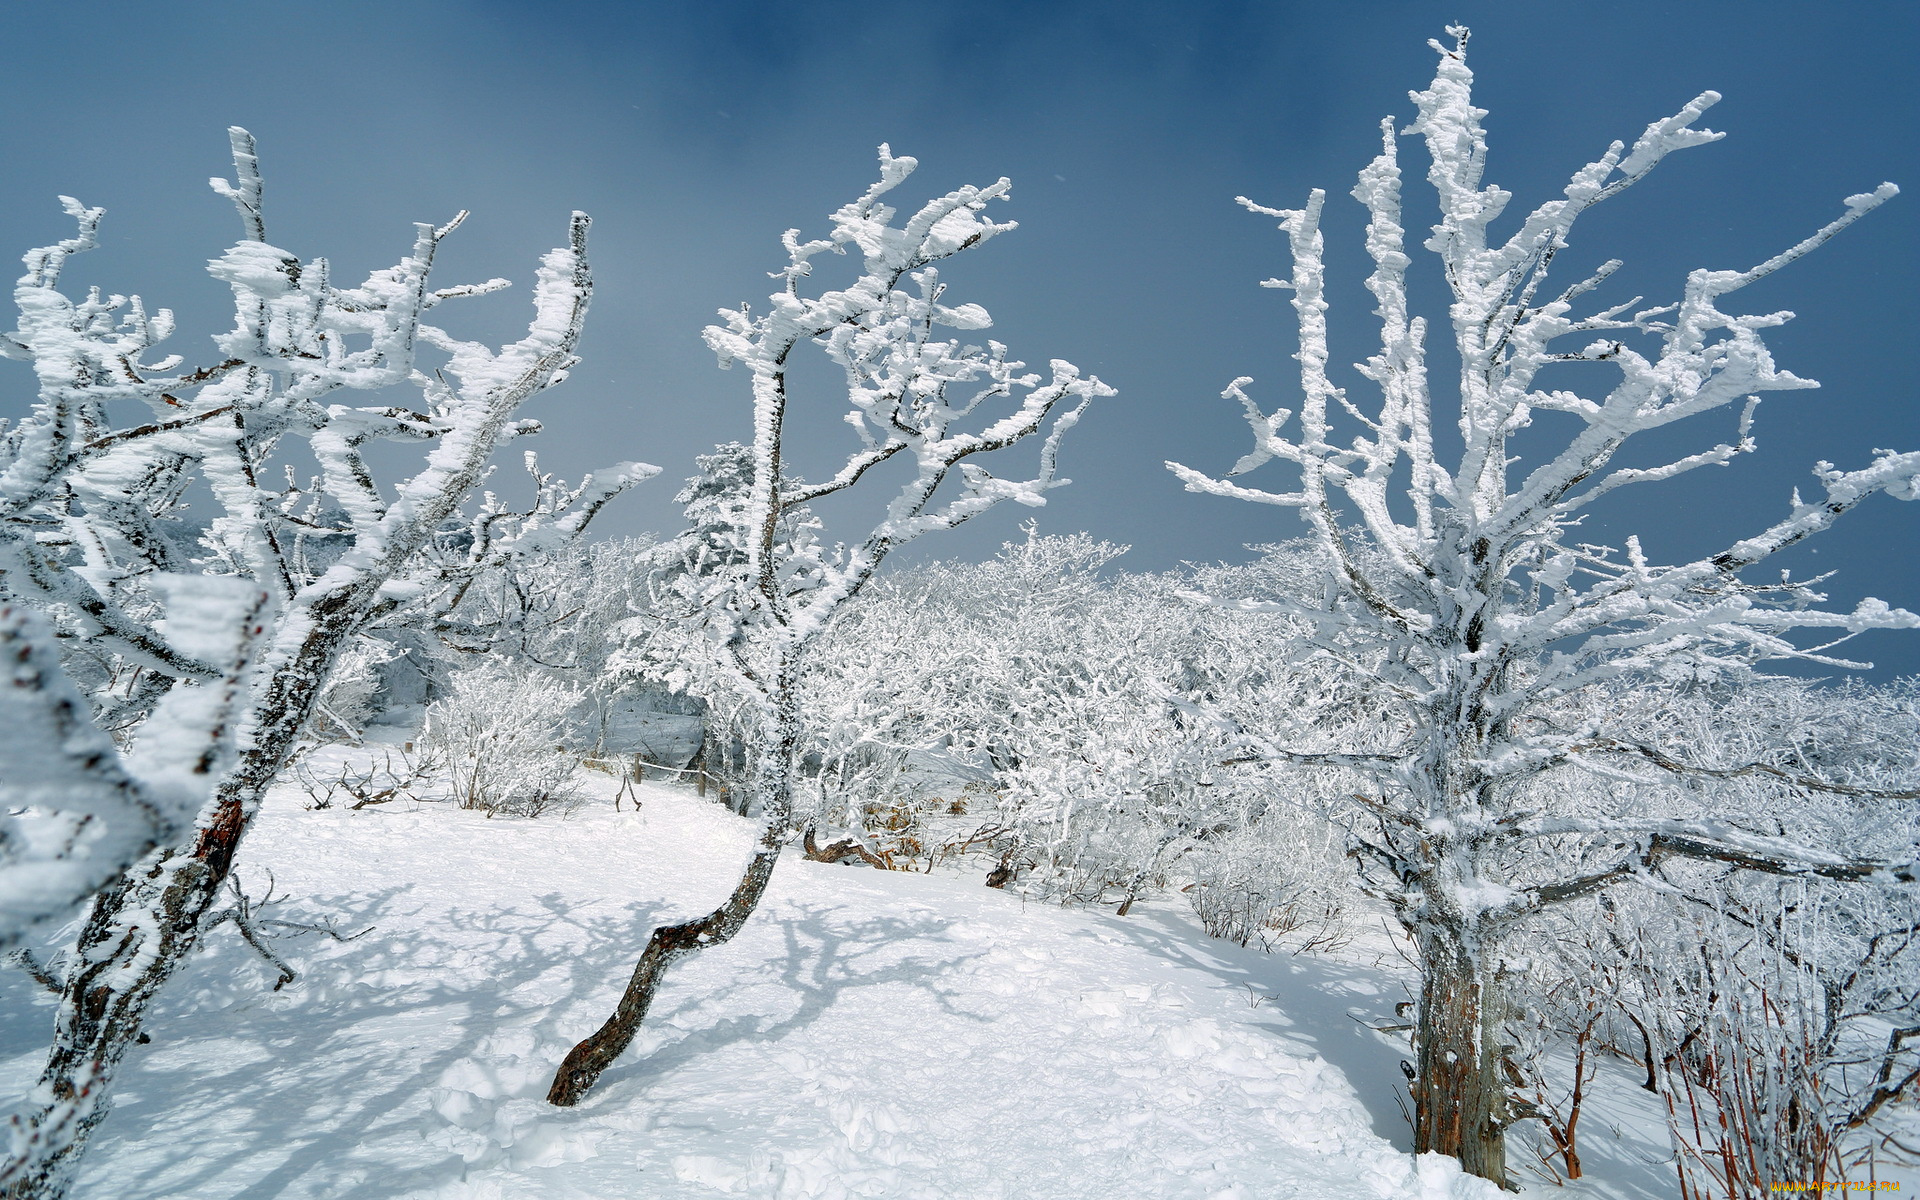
{"x": 869, "y": 1034}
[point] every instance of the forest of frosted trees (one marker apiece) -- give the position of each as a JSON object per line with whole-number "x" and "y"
{"x": 1569, "y": 782}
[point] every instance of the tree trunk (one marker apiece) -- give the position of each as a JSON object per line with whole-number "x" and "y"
{"x": 1459, "y": 1097}
{"x": 141, "y": 929}
{"x": 585, "y": 1062}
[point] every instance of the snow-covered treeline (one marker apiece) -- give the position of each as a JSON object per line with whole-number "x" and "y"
{"x": 1050, "y": 723}
{"x": 1052, "y": 703}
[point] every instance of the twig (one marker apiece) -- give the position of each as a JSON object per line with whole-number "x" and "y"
{"x": 25, "y": 960}
{"x": 244, "y": 920}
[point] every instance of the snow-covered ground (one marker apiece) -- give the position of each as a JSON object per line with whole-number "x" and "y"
{"x": 869, "y": 1034}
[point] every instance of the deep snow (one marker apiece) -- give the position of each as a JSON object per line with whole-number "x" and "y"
{"x": 868, "y": 1034}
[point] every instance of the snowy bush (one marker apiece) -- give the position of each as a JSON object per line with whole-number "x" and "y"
{"x": 1054, "y": 699}
{"x": 1766, "y": 1010}
{"x": 352, "y": 696}
{"x": 500, "y": 732}
{"x": 367, "y": 783}
{"x": 1774, "y": 1017}
{"x": 519, "y": 585}
{"x": 1276, "y": 882}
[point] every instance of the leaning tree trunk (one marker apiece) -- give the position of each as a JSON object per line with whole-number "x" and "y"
{"x": 1460, "y": 1104}
{"x": 773, "y": 787}
{"x": 150, "y": 914}
{"x": 141, "y": 930}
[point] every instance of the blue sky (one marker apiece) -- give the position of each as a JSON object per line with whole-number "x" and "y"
{"x": 695, "y": 133}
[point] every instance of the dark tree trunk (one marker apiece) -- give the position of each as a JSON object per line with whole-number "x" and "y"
{"x": 773, "y": 786}
{"x": 595, "y": 1054}
{"x": 140, "y": 931}
{"x": 1460, "y": 1105}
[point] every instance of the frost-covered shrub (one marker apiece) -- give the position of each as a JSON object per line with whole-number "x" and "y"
{"x": 1772, "y": 1014}
{"x": 501, "y": 730}
{"x": 1271, "y": 883}
{"x": 555, "y": 604}
{"x": 1103, "y": 822}
{"x": 351, "y": 699}
{"x": 1067, "y": 695}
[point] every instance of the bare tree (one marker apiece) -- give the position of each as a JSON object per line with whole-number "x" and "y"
{"x": 1462, "y": 591}
{"x": 94, "y": 533}
{"x": 759, "y": 582}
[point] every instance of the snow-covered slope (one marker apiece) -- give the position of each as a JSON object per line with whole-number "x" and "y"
{"x": 869, "y": 1034}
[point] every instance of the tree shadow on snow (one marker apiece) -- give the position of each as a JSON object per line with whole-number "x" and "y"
{"x": 825, "y": 955}
{"x": 1307, "y": 1001}
{"x": 246, "y": 1092}
{"x": 325, "y": 1088}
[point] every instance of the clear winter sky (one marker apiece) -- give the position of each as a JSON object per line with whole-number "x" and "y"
{"x": 695, "y": 133}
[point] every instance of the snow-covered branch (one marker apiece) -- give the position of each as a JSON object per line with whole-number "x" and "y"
{"x": 97, "y": 531}
{"x": 908, "y": 391}
{"x": 73, "y": 813}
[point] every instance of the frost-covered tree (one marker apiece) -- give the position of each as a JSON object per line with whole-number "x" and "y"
{"x": 1463, "y": 590}
{"x": 518, "y": 584}
{"x": 1773, "y": 1013}
{"x": 1066, "y": 693}
{"x": 917, "y": 402}
{"x": 95, "y": 536}
{"x": 668, "y": 644}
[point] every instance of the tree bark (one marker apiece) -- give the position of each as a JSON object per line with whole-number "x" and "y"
{"x": 585, "y": 1062}
{"x": 142, "y": 929}
{"x": 1459, "y": 1097}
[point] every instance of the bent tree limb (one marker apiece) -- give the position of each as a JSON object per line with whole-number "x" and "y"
{"x": 773, "y": 786}
{"x": 596, "y": 1053}
{"x": 1674, "y": 766}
